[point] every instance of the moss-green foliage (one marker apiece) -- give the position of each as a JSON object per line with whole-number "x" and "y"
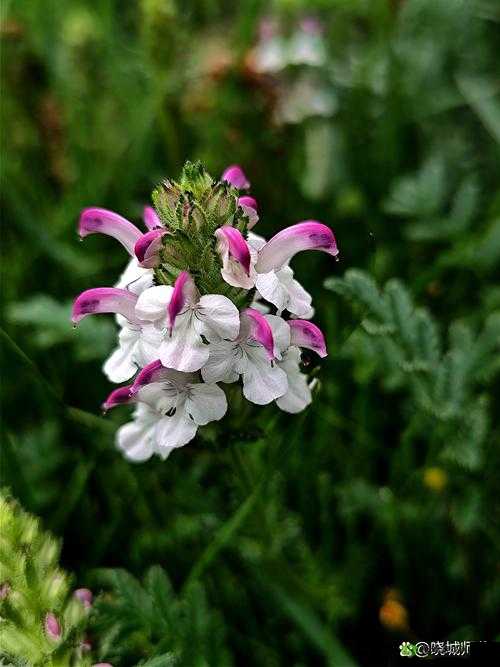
{"x": 33, "y": 585}
{"x": 135, "y": 620}
{"x": 294, "y": 526}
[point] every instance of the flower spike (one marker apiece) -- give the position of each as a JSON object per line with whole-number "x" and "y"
{"x": 306, "y": 334}
{"x": 308, "y": 235}
{"x": 104, "y": 300}
{"x": 100, "y": 220}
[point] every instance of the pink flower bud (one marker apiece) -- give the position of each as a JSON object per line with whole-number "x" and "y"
{"x": 52, "y": 627}
{"x": 85, "y": 596}
{"x": 4, "y": 590}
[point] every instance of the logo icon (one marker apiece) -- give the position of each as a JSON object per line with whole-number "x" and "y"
{"x": 406, "y": 649}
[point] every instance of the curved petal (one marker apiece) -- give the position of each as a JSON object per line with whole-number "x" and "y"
{"x": 307, "y": 235}
{"x": 205, "y": 403}
{"x": 104, "y": 300}
{"x": 153, "y": 302}
{"x": 219, "y": 314}
{"x": 259, "y": 329}
{"x": 120, "y": 396}
{"x": 99, "y": 220}
{"x": 148, "y": 247}
{"x": 235, "y": 175}
{"x": 174, "y": 431}
{"x": 232, "y": 240}
{"x": 150, "y": 217}
{"x": 306, "y": 334}
{"x": 262, "y": 381}
{"x": 184, "y": 293}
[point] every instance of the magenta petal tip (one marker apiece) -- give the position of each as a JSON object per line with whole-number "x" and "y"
{"x": 236, "y": 244}
{"x": 96, "y": 220}
{"x": 151, "y": 218}
{"x": 306, "y": 334}
{"x": 235, "y": 175}
{"x": 120, "y": 396}
{"x": 260, "y": 330}
{"x": 148, "y": 374}
{"x": 147, "y": 248}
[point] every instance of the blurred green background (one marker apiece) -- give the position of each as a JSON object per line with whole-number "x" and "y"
{"x": 319, "y": 539}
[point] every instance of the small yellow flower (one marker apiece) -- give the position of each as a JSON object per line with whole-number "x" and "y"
{"x": 435, "y": 479}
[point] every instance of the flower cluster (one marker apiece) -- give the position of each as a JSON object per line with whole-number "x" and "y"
{"x": 194, "y": 309}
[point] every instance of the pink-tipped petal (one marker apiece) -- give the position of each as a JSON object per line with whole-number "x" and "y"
{"x": 306, "y": 334}
{"x": 150, "y": 373}
{"x": 120, "y": 396}
{"x": 85, "y": 596}
{"x": 147, "y": 248}
{"x": 235, "y": 175}
{"x": 236, "y": 244}
{"x": 101, "y": 221}
{"x": 104, "y": 300}
{"x": 184, "y": 292}
{"x": 260, "y": 329}
{"x": 151, "y": 218}
{"x": 249, "y": 202}
{"x": 307, "y": 235}
{"x": 52, "y": 627}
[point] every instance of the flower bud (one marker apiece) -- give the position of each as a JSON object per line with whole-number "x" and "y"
{"x": 52, "y": 627}
{"x": 5, "y": 589}
{"x": 85, "y": 596}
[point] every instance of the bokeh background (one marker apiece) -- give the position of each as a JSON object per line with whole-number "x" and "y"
{"x": 320, "y": 539}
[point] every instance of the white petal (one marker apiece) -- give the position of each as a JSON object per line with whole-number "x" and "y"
{"x": 220, "y": 314}
{"x": 184, "y": 350}
{"x": 221, "y": 363}
{"x": 152, "y": 303}
{"x": 298, "y": 395}
{"x": 136, "y": 439}
{"x": 148, "y": 345}
{"x": 162, "y": 397}
{"x": 299, "y": 301}
{"x": 205, "y": 403}
{"x": 121, "y": 365}
{"x": 270, "y": 288}
{"x": 262, "y": 382}
{"x": 174, "y": 431}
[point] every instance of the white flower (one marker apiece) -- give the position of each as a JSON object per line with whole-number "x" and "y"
{"x": 252, "y": 355}
{"x": 182, "y": 317}
{"x": 171, "y": 406}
